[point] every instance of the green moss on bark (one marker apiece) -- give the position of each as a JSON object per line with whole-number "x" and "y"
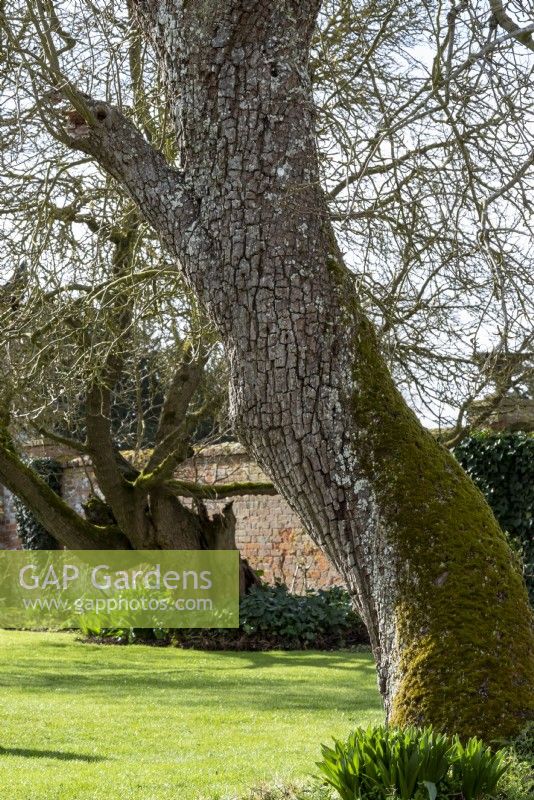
{"x": 465, "y": 629}
{"x": 464, "y": 624}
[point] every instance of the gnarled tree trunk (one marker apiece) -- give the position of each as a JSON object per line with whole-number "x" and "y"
{"x": 311, "y": 398}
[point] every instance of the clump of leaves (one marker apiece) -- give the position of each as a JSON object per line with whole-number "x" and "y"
{"x": 274, "y": 611}
{"x": 410, "y": 764}
{"x": 270, "y": 617}
{"x": 518, "y": 780}
{"x": 475, "y": 768}
{"x": 523, "y": 745}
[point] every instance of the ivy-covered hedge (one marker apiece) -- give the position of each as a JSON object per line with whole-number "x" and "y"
{"x": 30, "y": 531}
{"x": 502, "y": 466}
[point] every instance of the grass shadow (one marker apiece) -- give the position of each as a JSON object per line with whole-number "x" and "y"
{"x": 60, "y": 755}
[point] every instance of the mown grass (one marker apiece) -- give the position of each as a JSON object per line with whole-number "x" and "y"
{"x": 89, "y": 722}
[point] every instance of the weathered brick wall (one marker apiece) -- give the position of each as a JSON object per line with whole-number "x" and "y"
{"x": 269, "y": 534}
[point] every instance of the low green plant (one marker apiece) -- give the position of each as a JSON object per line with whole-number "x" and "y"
{"x": 275, "y": 612}
{"x": 271, "y": 617}
{"x": 410, "y": 764}
{"x": 523, "y": 744}
{"x": 517, "y": 782}
{"x": 476, "y": 769}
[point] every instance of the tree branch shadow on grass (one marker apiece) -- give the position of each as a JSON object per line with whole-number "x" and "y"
{"x": 57, "y": 754}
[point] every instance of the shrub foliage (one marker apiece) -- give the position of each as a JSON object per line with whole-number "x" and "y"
{"x": 274, "y": 612}
{"x": 502, "y": 466}
{"x": 270, "y": 618}
{"x": 30, "y": 531}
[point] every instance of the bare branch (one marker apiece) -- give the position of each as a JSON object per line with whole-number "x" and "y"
{"x": 505, "y": 21}
{"x": 219, "y": 491}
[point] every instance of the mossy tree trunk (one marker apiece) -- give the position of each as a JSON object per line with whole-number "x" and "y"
{"x": 421, "y": 553}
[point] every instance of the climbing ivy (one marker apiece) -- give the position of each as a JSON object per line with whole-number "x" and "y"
{"x": 502, "y": 466}
{"x": 30, "y": 531}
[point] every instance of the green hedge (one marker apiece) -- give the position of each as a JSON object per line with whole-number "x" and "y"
{"x": 270, "y": 618}
{"x": 30, "y": 531}
{"x": 502, "y": 466}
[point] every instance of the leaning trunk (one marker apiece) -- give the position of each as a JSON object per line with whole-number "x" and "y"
{"x": 312, "y": 400}
{"x": 419, "y": 549}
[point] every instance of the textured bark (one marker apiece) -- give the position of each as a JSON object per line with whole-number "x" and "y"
{"x": 311, "y": 399}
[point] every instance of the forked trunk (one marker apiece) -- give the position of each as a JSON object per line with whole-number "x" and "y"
{"x": 164, "y": 523}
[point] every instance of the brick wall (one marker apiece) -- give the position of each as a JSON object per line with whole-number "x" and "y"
{"x": 268, "y": 533}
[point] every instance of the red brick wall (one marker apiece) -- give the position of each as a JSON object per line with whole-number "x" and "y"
{"x": 269, "y": 534}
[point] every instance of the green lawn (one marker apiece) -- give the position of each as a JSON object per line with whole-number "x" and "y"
{"x": 88, "y": 722}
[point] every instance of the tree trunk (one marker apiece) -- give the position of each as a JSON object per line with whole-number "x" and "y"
{"x": 311, "y": 398}
{"x": 172, "y": 526}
